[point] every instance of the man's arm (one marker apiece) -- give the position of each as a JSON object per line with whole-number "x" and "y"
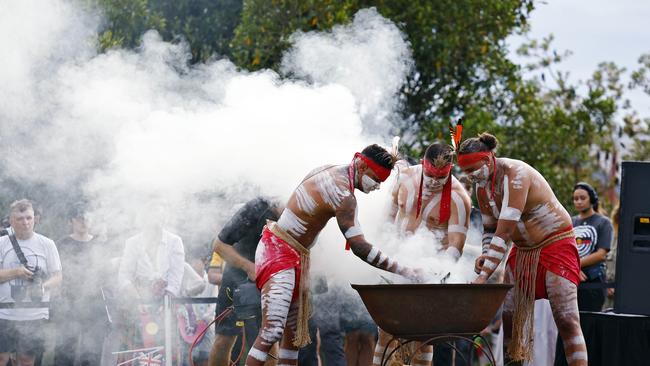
{"x": 11, "y": 273}
{"x": 240, "y": 224}
{"x": 458, "y": 225}
{"x": 346, "y": 216}
{"x": 514, "y": 200}
{"x": 54, "y": 281}
{"x": 233, "y": 258}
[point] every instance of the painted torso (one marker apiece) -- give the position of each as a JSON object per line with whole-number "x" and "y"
{"x": 314, "y": 202}
{"x": 542, "y": 214}
{"x": 405, "y": 213}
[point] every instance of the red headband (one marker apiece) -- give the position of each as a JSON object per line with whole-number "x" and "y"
{"x": 430, "y": 169}
{"x": 382, "y": 172}
{"x": 471, "y": 158}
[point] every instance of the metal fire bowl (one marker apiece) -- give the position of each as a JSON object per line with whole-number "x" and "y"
{"x": 422, "y": 311}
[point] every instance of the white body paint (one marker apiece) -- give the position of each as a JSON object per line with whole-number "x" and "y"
{"x": 291, "y": 223}
{"x": 329, "y": 190}
{"x": 276, "y": 302}
{"x": 356, "y": 229}
{"x": 520, "y": 173}
{"x": 510, "y": 214}
{"x": 427, "y": 210}
{"x": 460, "y": 209}
{"x": 457, "y": 229}
{"x": 305, "y": 202}
{"x": 287, "y": 354}
{"x": 372, "y": 255}
{"x": 368, "y": 184}
{"x": 545, "y": 218}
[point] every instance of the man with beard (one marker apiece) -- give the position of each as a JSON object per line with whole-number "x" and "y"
{"x": 519, "y": 206}
{"x": 282, "y": 256}
{"x": 429, "y": 196}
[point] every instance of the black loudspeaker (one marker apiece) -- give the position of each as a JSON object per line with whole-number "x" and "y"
{"x": 633, "y": 253}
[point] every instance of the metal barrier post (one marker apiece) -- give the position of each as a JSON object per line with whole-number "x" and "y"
{"x": 167, "y": 311}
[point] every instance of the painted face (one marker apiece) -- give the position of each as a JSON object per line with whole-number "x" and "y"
{"x": 479, "y": 176}
{"x": 581, "y": 200}
{"x": 434, "y": 183}
{"x": 368, "y": 184}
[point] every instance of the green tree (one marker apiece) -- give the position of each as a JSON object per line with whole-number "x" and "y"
{"x": 207, "y": 26}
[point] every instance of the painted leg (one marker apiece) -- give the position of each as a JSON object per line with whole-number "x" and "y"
{"x": 424, "y": 357}
{"x": 276, "y": 301}
{"x": 562, "y": 295}
{"x": 508, "y": 307}
{"x": 382, "y": 342}
{"x": 288, "y": 353}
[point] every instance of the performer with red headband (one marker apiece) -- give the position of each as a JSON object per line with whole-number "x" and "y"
{"x": 282, "y": 256}
{"x": 428, "y": 196}
{"x": 518, "y": 206}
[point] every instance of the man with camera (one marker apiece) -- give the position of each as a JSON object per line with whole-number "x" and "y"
{"x": 29, "y": 268}
{"x": 236, "y": 244}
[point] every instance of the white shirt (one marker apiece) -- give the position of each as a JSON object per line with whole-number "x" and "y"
{"x": 39, "y": 251}
{"x": 136, "y": 265}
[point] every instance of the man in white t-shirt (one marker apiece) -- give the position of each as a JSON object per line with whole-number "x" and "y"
{"x": 22, "y": 328}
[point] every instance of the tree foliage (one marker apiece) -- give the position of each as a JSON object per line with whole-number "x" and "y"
{"x": 567, "y": 130}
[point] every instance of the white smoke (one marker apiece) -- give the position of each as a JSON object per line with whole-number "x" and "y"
{"x": 136, "y": 127}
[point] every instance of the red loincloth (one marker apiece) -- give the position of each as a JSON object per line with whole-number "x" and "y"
{"x": 560, "y": 257}
{"x": 278, "y": 256}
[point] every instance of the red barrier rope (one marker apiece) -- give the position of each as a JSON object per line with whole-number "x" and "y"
{"x": 218, "y": 320}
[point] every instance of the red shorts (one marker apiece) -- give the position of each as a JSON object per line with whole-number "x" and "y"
{"x": 275, "y": 256}
{"x": 560, "y": 257}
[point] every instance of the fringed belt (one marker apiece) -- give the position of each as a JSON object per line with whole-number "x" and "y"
{"x": 521, "y": 346}
{"x": 301, "y": 338}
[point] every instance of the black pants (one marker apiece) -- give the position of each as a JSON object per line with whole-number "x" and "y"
{"x": 591, "y": 299}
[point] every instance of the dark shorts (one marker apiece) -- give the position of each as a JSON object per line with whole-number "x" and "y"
{"x": 26, "y": 337}
{"x": 229, "y": 326}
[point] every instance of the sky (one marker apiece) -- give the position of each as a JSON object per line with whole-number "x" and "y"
{"x": 595, "y": 31}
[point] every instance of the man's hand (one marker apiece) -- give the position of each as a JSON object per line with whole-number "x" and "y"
{"x": 414, "y": 274}
{"x": 583, "y": 276}
{"x": 24, "y": 273}
{"x": 480, "y": 280}
{"x": 478, "y": 265}
{"x": 158, "y": 287}
{"x": 249, "y": 267}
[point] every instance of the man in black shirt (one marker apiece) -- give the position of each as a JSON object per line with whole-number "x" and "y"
{"x": 236, "y": 244}
{"x": 79, "y": 314}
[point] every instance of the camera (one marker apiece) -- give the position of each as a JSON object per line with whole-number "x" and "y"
{"x": 32, "y": 288}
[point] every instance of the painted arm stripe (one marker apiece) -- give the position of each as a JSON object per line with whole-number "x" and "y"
{"x": 353, "y": 231}
{"x": 288, "y": 354}
{"x": 382, "y": 259}
{"x": 510, "y": 213}
{"x": 498, "y": 242}
{"x": 457, "y": 229}
{"x": 372, "y": 255}
{"x": 489, "y": 264}
{"x": 460, "y": 208}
